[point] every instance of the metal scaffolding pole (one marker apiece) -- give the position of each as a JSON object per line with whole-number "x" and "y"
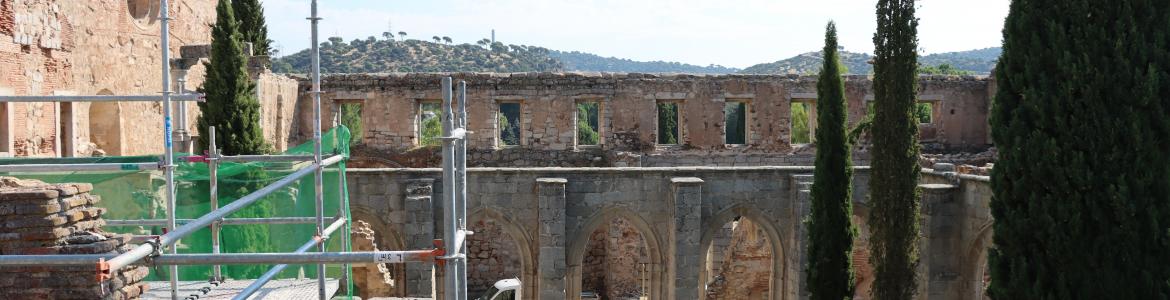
{"x": 380, "y": 257}
{"x": 102, "y": 98}
{"x": 80, "y": 167}
{"x": 275, "y": 270}
{"x": 221, "y": 223}
{"x": 461, "y": 191}
{"x": 267, "y": 158}
{"x": 213, "y": 182}
{"x": 317, "y": 184}
{"x": 168, "y": 150}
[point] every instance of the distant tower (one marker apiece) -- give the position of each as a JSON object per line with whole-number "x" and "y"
{"x": 493, "y": 36}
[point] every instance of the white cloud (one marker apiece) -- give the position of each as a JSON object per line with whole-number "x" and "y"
{"x": 736, "y": 33}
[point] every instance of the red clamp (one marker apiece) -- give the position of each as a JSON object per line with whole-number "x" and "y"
{"x": 103, "y": 270}
{"x": 439, "y": 252}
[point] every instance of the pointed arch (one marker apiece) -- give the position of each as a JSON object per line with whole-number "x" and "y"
{"x": 510, "y": 227}
{"x": 780, "y": 273}
{"x": 575, "y": 254}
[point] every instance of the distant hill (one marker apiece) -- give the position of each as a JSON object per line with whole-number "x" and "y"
{"x": 810, "y": 63}
{"x": 979, "y": 61}
{"x": 579, "y": 61}
{"x": 374, "y": 55}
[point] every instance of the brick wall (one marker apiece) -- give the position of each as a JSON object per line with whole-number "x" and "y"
{"x": 38, "y": 218}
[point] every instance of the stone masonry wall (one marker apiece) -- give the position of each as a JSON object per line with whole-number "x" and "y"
{"x": 491, "y": 256}
{"x": 37, "y": 219}
{"x": 746, "y": 266}
{"x": 628, "y": 115}
{"x": 106, "y": 47}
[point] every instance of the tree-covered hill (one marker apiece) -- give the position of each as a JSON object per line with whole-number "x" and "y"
{"x": 579, "y": 61}
{"x": 387, "y": 55}
{"x": 810, "y": 63}
{"x": 979, "y": 61}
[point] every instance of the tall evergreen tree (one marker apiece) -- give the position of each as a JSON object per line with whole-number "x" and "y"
{"x": 831, "y": 231}
{"x": 1082, "y": 121}
{"x": 893, "y": 183}
{"x": 253, "y": 29}
{"x": 231, "y": 104}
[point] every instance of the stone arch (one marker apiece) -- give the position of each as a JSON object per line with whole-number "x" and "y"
{"x": 105, "y": 125}
{"x": 575, "y": 254}
{"x": 779, "y": 273}
{"x": 523, "y": 242}
{"x": 386, "y": 238}
{"x": 977, "y": 263}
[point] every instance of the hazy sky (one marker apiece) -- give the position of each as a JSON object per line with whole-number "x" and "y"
{"x": 734, "y": 33}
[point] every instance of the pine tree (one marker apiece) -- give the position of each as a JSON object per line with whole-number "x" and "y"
{"x": 253, "y": 29}
{"x": 1081, "y": 190}
{"x": 831, "y": 231}
{"x": 894, "y": 193}
{"x": 231, "y": 104}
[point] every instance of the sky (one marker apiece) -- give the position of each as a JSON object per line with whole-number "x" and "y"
{"x": 732, "y": 33}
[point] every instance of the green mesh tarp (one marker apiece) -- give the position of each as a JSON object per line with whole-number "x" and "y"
{"x": 131, "y": 195}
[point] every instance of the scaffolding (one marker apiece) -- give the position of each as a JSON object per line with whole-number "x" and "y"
{"x": 449, "y": 252}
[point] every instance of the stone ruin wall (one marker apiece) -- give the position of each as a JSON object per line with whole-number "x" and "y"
{"x": 43, "y": 219}
{"x": 105, "y": 47}
{"x": 628, "y": 116}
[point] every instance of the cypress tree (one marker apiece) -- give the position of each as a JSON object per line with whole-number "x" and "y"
{"x": 831, "y": 231}
{"x": 1081, "y": 190}
{"x": 252, "y": 26}
{"x": 231, "y": 104}
{"x": 893, "y": 183}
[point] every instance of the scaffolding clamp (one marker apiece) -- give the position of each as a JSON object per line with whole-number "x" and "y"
{"x": 103, "y": 270}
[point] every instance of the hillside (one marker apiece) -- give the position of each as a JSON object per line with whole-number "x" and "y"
{"x": 979, "y": 61}
{"x": 810, "y": 63}
{"x": 374, "y": 55}
{"x": 579, "y": 61}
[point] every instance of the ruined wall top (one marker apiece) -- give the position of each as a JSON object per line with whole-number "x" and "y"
{"x": 716, "y": 115}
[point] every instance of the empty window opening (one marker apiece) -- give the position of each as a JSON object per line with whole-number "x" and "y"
{"x": 616, "y": 264}
{"x": 668, "y": 133}
{"x": 509, "y": 124}
{"x": 739, "y": 262}
{"x": 803, "y": 122}
{"x": 429, "y": 123}
{"x": 924, "y": 112}
{"x": 735, "y": 118}
{"x": 351, "y": 117}
{"x": 65, "y": 136}
{"x": 588, "y": 120}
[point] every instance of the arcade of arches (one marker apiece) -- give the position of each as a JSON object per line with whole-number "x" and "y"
{"x": 651, "y": 233}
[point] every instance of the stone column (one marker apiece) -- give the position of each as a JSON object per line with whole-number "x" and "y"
{"x": 688, "y": 257}
{"x": 418, "y": 233}
{"x": 552, "y": 266}
{"x": 940, "y": 251}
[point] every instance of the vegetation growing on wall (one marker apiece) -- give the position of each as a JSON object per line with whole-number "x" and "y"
{"x": 1081, "y": 197}
{"x": 894, "y": 203}
{"x": 830, "y": 226}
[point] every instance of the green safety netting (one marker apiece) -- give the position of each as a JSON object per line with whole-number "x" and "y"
{"x": 130, "y": 195}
